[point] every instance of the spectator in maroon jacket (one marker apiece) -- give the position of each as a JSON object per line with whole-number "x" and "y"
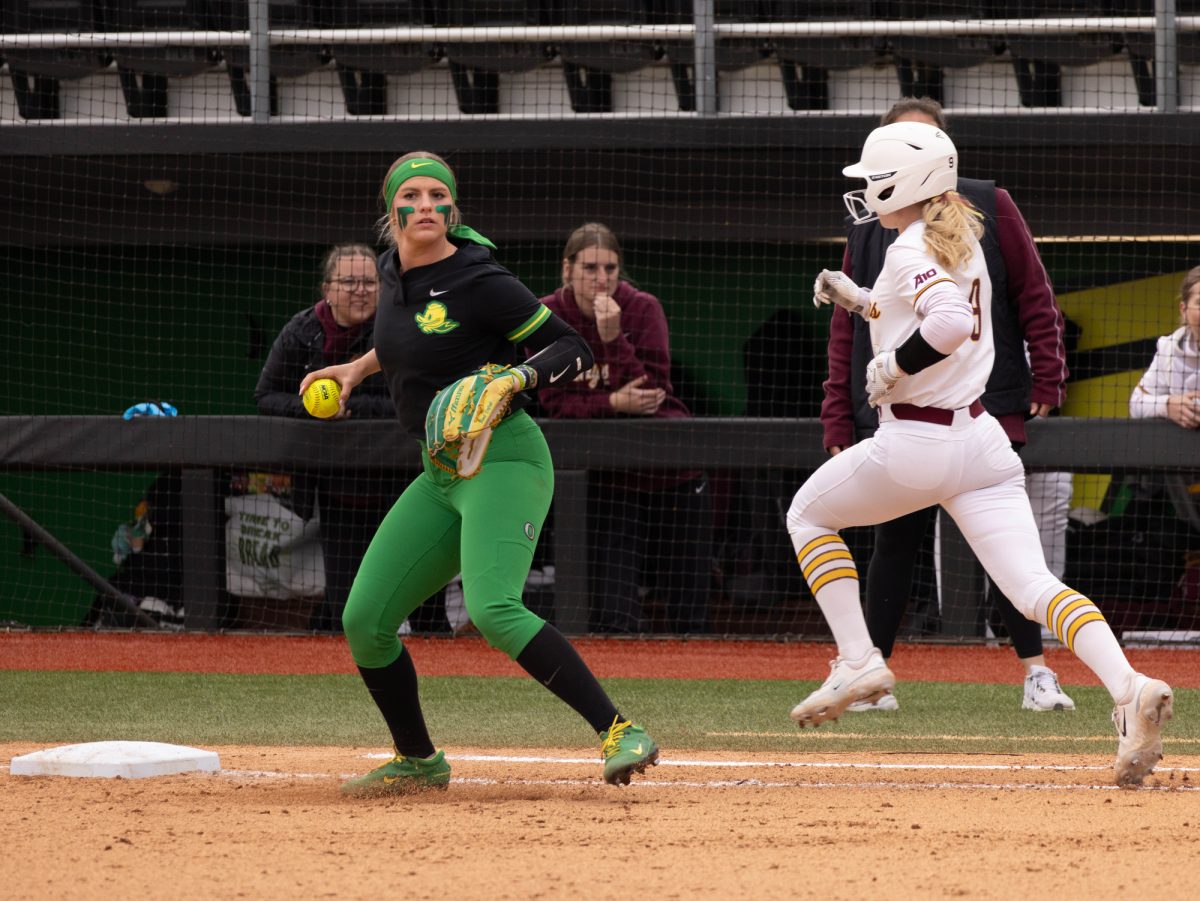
{"x": 1028, "y": 379}
{"x": 651, "y": 530}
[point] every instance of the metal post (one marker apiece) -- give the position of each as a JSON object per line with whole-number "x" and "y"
{"x": 260, "y": 62}
{"x": 202, "y": 538}
{"x": 571, "y": 600}
{"x": 72, "y": 560}
{"x": 705, "y": 70}
{"x": 1166, "y": 56}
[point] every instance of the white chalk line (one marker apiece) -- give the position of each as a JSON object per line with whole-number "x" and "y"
{"x": 642, "y": 782}
{"x": 796, "y": 764}
{"x": 816, "y": 735}
{"x": 758, "y": 783}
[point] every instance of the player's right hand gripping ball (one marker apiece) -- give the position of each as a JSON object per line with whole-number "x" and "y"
{"x": 323, "y": 398}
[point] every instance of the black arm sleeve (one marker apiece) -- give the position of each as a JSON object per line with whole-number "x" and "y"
{"x": 560, "y": 352}
{"x": 916, "y": 354}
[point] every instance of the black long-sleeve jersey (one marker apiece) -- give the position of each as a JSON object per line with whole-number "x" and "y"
{"x": 440, "y": 322}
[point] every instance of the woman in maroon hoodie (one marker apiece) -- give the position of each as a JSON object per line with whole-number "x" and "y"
{"x": 636, "y": 518}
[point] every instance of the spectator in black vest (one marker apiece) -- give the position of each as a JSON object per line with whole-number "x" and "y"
{"x": 1028, "y": 379}
{"x": 336, "y": 329}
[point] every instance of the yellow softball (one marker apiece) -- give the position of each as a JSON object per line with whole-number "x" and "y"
{"x": 323, "y": 398}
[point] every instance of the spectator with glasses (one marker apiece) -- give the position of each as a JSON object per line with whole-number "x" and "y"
{"x": 338, "y": 328}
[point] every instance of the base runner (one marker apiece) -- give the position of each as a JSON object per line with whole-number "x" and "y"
{"x": 929, "y": 313}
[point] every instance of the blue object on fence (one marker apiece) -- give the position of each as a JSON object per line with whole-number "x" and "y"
{"x": 157, "y": 408}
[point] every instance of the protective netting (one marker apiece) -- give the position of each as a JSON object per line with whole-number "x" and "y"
{"x": 168, "y": 210}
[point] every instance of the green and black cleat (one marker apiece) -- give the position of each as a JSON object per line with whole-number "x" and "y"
{"x": 401, "y": 776}
{"x": 626, "y": 749}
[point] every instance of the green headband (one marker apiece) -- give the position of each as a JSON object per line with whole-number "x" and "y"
{"x": 411, "y": 169}
{"x": 421, "y": 166}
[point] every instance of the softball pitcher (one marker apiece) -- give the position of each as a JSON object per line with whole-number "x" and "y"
{"x": 929, "y": 314}
{"x": 448, "y": 331}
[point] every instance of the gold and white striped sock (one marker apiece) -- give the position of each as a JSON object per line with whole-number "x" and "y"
{"x": 1079, "y": 624}
{"x": 829, "y": 569}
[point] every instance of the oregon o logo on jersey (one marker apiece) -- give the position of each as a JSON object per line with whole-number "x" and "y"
{"x": 433, "y": 319}
{"x": 529, "y": 532}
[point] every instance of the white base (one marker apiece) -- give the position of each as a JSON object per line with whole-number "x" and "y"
{"x": 112, "y": 759}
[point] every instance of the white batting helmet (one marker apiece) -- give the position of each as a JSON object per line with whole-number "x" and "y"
{"x": 903, "y": 163}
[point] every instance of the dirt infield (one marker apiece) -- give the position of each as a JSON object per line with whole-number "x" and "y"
{"x": 272, "y": 825}
{"x": 542, "y": 825}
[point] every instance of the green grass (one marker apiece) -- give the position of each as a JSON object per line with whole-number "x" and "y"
{"x": 194, "y": 709}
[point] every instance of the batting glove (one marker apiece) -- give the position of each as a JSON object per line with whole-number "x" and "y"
{"x": 882, "y": 375}
{"x": 839, "y": 288}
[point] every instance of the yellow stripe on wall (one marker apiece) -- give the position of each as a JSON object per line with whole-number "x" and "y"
{"x": 1115, "y": 314}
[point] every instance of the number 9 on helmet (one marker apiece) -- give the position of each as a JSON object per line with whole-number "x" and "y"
{"x": 903, "y": 163}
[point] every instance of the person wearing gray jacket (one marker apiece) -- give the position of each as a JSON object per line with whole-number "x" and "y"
{"x": 1170, "y": 388}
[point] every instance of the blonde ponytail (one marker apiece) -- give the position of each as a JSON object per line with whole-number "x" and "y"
{"x": 948, "y": 219}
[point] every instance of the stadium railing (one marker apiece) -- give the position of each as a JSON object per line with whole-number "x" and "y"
{"x": 706, "y": 34}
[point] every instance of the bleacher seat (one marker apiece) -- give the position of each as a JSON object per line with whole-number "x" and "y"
{"x": 36, "y": 73}
{"x": 363, "y": 68}
{"x": 588, "y": 66}
{"x": 393, "y": 59}
{"x": 476, "y": 67}
{"x": 921, "y": 61}
{"x": 1141, "y": 45}
{"x": 805, "y": 63}
{"x": 1038, "y": 58}
{"x": 144, "y": 70}
{"x": 287, "y": 60}
{"x": 732, "y": 53}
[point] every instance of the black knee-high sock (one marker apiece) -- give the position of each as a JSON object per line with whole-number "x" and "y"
{"x": 551, "y": 659}
{"x": 393, "y": 688}
{"x": 890, "y": 575}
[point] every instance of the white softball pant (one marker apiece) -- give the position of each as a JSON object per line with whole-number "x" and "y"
{"x": 968, "y": 467}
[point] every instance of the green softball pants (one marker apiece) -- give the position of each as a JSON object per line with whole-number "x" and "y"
{"x": 486, "y": 528}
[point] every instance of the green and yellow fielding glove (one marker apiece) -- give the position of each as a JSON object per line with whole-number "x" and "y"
{"x": 458, "y": 426}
